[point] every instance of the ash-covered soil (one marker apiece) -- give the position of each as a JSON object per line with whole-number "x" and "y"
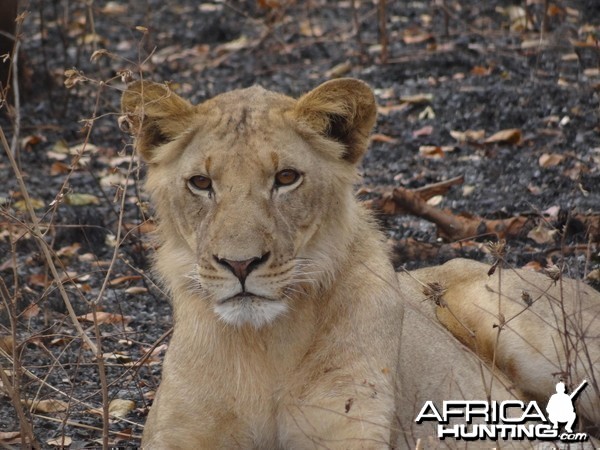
{"x": 482, "y": 67}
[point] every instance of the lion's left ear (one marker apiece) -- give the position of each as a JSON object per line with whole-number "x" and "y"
{"x": 343, "y": 110}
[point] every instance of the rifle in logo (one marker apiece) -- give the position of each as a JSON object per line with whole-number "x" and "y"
{"x": 560, "y": 406}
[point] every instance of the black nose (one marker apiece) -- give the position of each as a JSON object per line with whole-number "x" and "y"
{"x": 241, "y": 269}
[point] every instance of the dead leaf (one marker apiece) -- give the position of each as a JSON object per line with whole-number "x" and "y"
{"x": 424, "y": 131}
{"x": 136, "y": 290}
{"x": 31, "y": 311}
{"x": 61, "y": 441}
{"x": 542, "y": 235}
{"x": 389, "y": 109}
{"x": 162, "y": 348}
{"x": 385, "y": 93}
{"x": 555, "y": 10}
{"x": 468, "y": 135}
{"x": 435, "y": 150}
{"x": 120, "y": 408}
{"x": 417, "y": 99}
{"x": 6, "y": 344}
{"x": 574, "y": 173}
{"x": 594, "y": 275}
{"x": 593, "y": 72}
{"x": 59, "y": 342}
{"x": 145, "y": 227}
{"x": 467, "y": 190}
{"x": 59, "y": 168}
{"x": 481, "y": 71}
{"x": 114, "y": 9}
{"x": 120, "y": 280}
{"x": 533, "y": 265}
{"x": 534, "y": 43}
{"x": 418, "y": 38}
{"x": 47, "y": 406}
{"x": 21, "y": 205}
{"x": 310, "y": 29}
{"x": 427, "y": 113}
{"x": 431, "y": 151}
{"x": 126, "y": 434}
{"x": 10, "y": 437}
{"x": 120, "y": 358}
{"x": 509, "y": 136}
{"x": 570, "y": 57}
{"x": 31, "y": 140}
{"x": 56, "y": 155}
{"x": 68, "y": 251}
{"x": 237, "y": 44}
{"x": 517, "y": 16}
{"x": 435, "y": 200}
{"x": 339, "y": 70}
{"x": 61, "y": 147}
{"x": 81, "y": 199}
{"x": 92, "y": 38}
{"x": 552, "y": 212}
{"x": 269, "y": 4}
{"x": 550, "y": 159}
{"x": 535, "y": 190}
{"x": 9, "y": 264}
{"x": 103, "y": 317}
{"x": 38, "y": 279}
{"x": 378, "y": 137}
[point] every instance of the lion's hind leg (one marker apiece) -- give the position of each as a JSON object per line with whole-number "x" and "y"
{"x": 537, "y": 330}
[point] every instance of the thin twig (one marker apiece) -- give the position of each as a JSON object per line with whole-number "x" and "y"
{"x": 70, "y": 397}
{"x": 43, "y": 246}
{"x": 118, "y": 236}
{"x": 383, "y": 37}
{"x": 16, "y": 97}
{"x": 14, "y": 389}
{"x": 102, "y": 374}
{"x": 85, "y": 426}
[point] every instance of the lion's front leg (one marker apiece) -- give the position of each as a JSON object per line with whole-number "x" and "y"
{"x": 179, "y": 421}
{"x": 340, "y": 414}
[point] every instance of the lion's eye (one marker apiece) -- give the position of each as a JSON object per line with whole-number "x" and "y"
{"x": 286, "y": 177}
{"x": 201, "y": 183}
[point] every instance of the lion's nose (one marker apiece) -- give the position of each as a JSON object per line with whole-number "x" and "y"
{"x": 241, "y": 269}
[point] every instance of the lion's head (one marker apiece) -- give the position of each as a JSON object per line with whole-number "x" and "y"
{"x": 253, "y": 190}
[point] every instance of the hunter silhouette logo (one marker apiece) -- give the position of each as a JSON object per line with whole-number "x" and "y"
{"x": 560, "y": 406}
{"x": 510, "y": 419}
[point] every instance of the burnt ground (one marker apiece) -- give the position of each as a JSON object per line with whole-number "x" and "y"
{"x": 448, "y": 66}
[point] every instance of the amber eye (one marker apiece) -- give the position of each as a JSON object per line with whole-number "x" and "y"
{"x": 286, "y": 177}
{"x": 201, "y": 183}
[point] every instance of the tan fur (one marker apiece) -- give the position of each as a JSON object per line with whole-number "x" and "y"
{"x": 537, "y": 330}
{"x": 328, "y": 348}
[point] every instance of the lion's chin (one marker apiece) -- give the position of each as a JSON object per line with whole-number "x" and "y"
{"x": 248, "y": 309}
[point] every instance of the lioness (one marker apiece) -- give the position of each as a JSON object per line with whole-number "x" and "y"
{"x": 292, "y": 329}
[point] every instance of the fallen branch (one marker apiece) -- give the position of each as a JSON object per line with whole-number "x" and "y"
{"x": 453, "y": 227}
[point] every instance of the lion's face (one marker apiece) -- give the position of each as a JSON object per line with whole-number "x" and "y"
{"x": 252, "y": 186}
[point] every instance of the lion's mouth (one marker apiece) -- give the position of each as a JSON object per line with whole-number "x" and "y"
{"x": 242, "y": 296}
{"x": 245, "y": 297}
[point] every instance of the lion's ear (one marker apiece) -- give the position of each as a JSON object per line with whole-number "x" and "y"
{"x": 154, "y": 115}
{"x": 343, "y": 110}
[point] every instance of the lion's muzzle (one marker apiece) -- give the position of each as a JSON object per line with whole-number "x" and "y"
{"x": 241, "y": 269}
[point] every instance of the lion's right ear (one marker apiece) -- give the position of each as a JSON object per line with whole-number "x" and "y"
{"x": 154, "y": 115}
